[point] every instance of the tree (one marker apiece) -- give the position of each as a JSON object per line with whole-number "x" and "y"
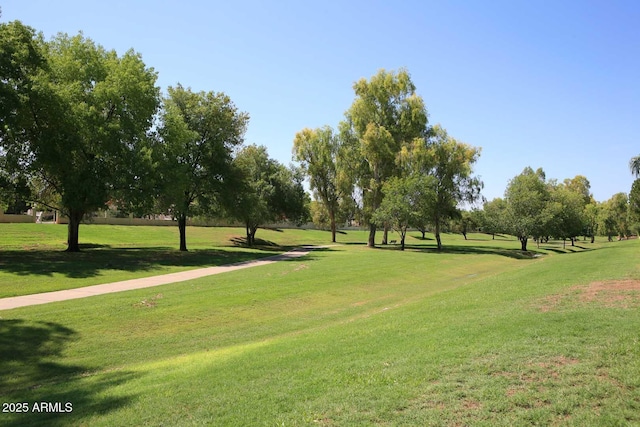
{"x": 269, "y": 191}
{"x": 580, "y": 185}
{"x": 317, "y": 151}
{"x": 565, "y": 212}
{"x": 450, "y": 163}
{"x": 453, "y": 172}
{"x": 197, "y": 136}
{"x": 634, "y": 205}
{"x": 614, "y": 216}
{"x": 386, "y": 114}
{"x": 402, "y": 204}
{"x": 77, "y": 118}
{"x": 466, "y": 222}
{"x": 591, "y": 219}
{"x": 526, "y": 197}
{"x": 494, "y": 217}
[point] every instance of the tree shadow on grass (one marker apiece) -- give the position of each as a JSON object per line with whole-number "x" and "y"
{"x": 32, "y": 373}
{"x": 90, "y": 262}
{"x": 476, "y": 250}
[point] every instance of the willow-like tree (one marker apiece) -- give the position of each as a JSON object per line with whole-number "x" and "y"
{"x": 317, "y": 151}
{"x": 385, "y": 115}
{"x": 76, "y": 119}
{"x": 198, "y": 134}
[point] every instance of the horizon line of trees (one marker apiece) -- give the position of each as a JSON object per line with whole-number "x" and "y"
{"x": 82, "y": 127}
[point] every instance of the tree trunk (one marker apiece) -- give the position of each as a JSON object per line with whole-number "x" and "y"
{"x": 75, "y": 216}
{"x": 573, "y": 241}
{"x": 182, "y": 227}
{"x": 332, "y": 218}
{"x": 385, "y": 235}
{"x": 464, "y": 233}
{"x": 437, "y": 232}
{"x": 423, "y": 232}
{"x": 372, "y": 236}
{"x": 564, "y": 243}
{"x": 593, "y": 238}
{"x": 523, "y": 243}
{"x": 402, "y": 243}
{"x": 253, "y": 235}
{"x": 493, "y": 236}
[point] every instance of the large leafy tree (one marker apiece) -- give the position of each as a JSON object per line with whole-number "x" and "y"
{"x": 197, "y": 136}
{"x": 450, "y": 163}
{"x": 268, "y": 191}
{"x": 76, "y": 118}
{"x": 526, "y": 198}
{"x": 385, "y": 115}
{"x": 317, "y": 151}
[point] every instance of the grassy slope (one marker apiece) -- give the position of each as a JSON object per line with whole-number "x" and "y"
{"x": 345, "y": 336}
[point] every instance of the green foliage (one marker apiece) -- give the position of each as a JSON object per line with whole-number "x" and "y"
{"x": 634, "y": 206}
{"x": 404, "y": 203}
{"x": 591, "y": 217}
{"x": 193, "y": 152}
{"x": 450, "y": 163}
{"x": 78, "y": 118}
{"x": 466, "y": 222}
{"x": 317, "y": 151}
{"x": 494, "y": 217}
{"x": 386, "y": 114}
{"x": 614, "y": 216}
{"x": 565, "y": 212}
{"x": 268, "y": 193}
{"x": 526, "y": 197}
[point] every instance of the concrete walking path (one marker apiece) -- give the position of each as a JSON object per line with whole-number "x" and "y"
{"x": 145, "y": 282}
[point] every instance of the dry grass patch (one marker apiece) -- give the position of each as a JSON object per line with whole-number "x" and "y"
{"x": 623, "y": 294}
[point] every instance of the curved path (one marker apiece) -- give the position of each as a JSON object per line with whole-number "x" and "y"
{"x": 145, "y": 282}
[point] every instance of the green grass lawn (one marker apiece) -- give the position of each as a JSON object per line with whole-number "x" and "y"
{"x": 32, "y": 257}
{"x": 475, "y": 335}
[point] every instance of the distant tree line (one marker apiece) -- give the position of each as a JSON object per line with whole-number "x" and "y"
{"x": 82, "y": 127}
{"x": 538, "y": 208}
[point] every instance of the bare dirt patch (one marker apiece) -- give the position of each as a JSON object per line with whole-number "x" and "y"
{"x": 623, "y": 294}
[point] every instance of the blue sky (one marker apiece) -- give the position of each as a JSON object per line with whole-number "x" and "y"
{"x": 551, "y": 84}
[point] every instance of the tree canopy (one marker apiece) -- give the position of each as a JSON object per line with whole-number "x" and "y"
{"x": 385, "y": 115}
{"x": 77, "y": 117}
{"x": 197, "y": 136}
{"x": 317, "y": 151}
{"x": 269, "y": 192}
